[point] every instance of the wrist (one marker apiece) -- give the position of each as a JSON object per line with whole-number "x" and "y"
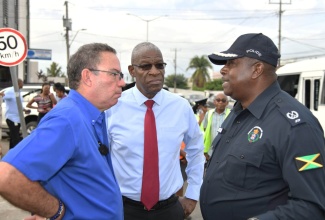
{"x": 58, "y": 213}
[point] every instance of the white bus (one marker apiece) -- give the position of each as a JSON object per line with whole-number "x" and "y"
{"x": 304, "y": 80}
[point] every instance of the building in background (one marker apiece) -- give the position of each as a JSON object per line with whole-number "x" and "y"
{"x": 15, "y": 14}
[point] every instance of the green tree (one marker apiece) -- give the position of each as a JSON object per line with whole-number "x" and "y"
{"x": 200, "y": 75}
{"x": 181, "y": 81}
{"x": 55, "y": 70}
{"x": 216, "y": 84}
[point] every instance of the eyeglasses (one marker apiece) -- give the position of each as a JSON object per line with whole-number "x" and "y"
{"x": 159, "y": 66}
{"x": 120, "y": 74}
{"x": 221, "y": 100}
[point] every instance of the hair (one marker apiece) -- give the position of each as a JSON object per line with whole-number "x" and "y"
{"x": 138, "y": 49}
{"x": 60, "y": 88}
{"x": 87, "y": 56}
{"x": 56, "y": 85}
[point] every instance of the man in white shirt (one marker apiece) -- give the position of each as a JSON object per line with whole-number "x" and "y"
{"x": 12, "y": 114}
{"x": 175, "y": 122}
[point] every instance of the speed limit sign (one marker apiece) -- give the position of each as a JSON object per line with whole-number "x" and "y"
{"x": 13, "y": 47}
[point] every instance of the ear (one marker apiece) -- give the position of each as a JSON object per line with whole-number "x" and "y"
{"x": 86, "y": 77}
{"x": 258, "y": 69}
{"x": 131, "y": 70}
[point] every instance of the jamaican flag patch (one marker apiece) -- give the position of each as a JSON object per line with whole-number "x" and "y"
{"x": 309, "y": 162}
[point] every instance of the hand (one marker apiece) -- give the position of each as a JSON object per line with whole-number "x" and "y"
{"x": 207, "y": 156}
{"x": 34, "y": 217}
{"x": 184, "y": 161}
{"x": 188, "y": 205}
{"x": 27, "y": 111}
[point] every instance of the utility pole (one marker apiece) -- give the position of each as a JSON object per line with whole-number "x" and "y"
{"x": 67, "y": 23}
{"x": 280, "y": 23}
{"x": 175, "y": 69}
{"x": 147, "y": 20}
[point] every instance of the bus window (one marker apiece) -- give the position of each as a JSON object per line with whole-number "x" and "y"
{"x": 316, "y": 93}
{"x": 289, "y": 83}
{"x": 307, "y": 93}
{"x": 322, "y": 97}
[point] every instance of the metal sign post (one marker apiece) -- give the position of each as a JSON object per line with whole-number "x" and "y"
{"x": 13, "y": 50}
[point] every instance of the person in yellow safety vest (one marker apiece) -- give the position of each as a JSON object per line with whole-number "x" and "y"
{"x": 199, "y": 109}
{"x": 213, "y": 120}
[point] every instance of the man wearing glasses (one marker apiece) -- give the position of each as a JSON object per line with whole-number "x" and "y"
{"x": 213, "y": 120}
{"x": 171, "y": 121}
{"x": 63, "y": 169}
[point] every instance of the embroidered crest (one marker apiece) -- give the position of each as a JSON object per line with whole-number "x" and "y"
{"x": 292, "y": 115}
{"x": 255, "y": 134}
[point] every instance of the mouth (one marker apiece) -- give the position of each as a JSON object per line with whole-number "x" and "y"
{"x": 155, "y": 81}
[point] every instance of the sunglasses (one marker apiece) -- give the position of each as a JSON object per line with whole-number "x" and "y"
{"x": 221, "y": 100}
{"x": 159, "y": 66}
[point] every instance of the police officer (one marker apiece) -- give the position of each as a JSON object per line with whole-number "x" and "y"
{"x": 269, "y": 154}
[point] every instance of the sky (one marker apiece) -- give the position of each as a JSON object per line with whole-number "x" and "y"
{"x": 182, "y": 29}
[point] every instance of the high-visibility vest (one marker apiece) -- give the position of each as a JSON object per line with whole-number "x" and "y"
{"x": 207, "y": 132}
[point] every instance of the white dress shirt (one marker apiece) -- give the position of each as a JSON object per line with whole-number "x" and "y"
{"x": 175, "y": 123}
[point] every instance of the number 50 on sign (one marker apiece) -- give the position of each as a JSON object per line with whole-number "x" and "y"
{"x": 13, "y": 47}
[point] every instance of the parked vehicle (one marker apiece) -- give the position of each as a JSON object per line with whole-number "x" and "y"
{"x": 28, "y": 92}
{"x": 304, "y": 80}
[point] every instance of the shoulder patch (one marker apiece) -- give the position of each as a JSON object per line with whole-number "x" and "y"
{"x": 290, "y": 112}
{"x": 309, "y": 162}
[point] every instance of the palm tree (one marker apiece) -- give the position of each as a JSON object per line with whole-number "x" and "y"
{"x": 54, "y": 70}
{"x": 201, "y": 66}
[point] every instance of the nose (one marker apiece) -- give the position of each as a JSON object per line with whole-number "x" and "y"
{"x": 155, "y": 71}
{"x": 121, "y": 82}
{"x": 223, "y": 71}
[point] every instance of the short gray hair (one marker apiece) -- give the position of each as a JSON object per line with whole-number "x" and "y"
{"x": 138, "y": 49}
{"x": 87, "y": 56}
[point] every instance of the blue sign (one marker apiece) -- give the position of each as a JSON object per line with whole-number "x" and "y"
{"x": 39, "y": 54}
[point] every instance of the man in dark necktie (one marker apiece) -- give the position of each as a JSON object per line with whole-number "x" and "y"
{"x": 147, "y": 110}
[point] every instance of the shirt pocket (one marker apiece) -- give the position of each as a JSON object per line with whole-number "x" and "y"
{"x": 242, "y": 168}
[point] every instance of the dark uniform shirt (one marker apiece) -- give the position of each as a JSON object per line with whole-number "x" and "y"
{"x": 267, "y": 163}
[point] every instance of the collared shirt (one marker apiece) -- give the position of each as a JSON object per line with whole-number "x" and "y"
{"x": 175, "y": 123}
{"x": 217, "y": 120}
{"x": 11, "y": 105}
{"x": 255, "y": 169}
{"x": 62, "y": 153}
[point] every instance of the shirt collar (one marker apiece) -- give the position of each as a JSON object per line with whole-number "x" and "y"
{"x": 140, "y": 98}
{"x": 88, "y": 109}
{"x": 258, "y": 106}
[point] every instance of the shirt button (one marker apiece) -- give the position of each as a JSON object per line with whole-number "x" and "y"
{"x": 238, "y": 122}
{"x": 227, "y": 141}
{"x": 242, "y": 156}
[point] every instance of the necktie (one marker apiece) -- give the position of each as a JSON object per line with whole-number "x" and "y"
{"x": 150, "y": 178}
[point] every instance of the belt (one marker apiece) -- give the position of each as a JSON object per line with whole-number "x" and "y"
{"x": 159, "y": 205}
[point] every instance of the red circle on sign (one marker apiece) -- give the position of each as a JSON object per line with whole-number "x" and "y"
{"x": 22, "y": 43}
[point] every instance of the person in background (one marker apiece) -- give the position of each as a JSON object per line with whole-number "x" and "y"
{"x": 45, "y": 101}
{"x": 58, "y": 87}
{"x": 213, "y": 121}
{"x": 200, "y": 108}
{"x": 133, "y": 164}
{"x": 63, "y": 169}
{"x": 12, "y": 113}
{"x": 268, "y": 161}
{"x": 60, "y": 92}
{"x": 183, "y": 164}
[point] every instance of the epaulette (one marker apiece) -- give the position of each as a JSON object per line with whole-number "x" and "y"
{"x": 290, "y": 111}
